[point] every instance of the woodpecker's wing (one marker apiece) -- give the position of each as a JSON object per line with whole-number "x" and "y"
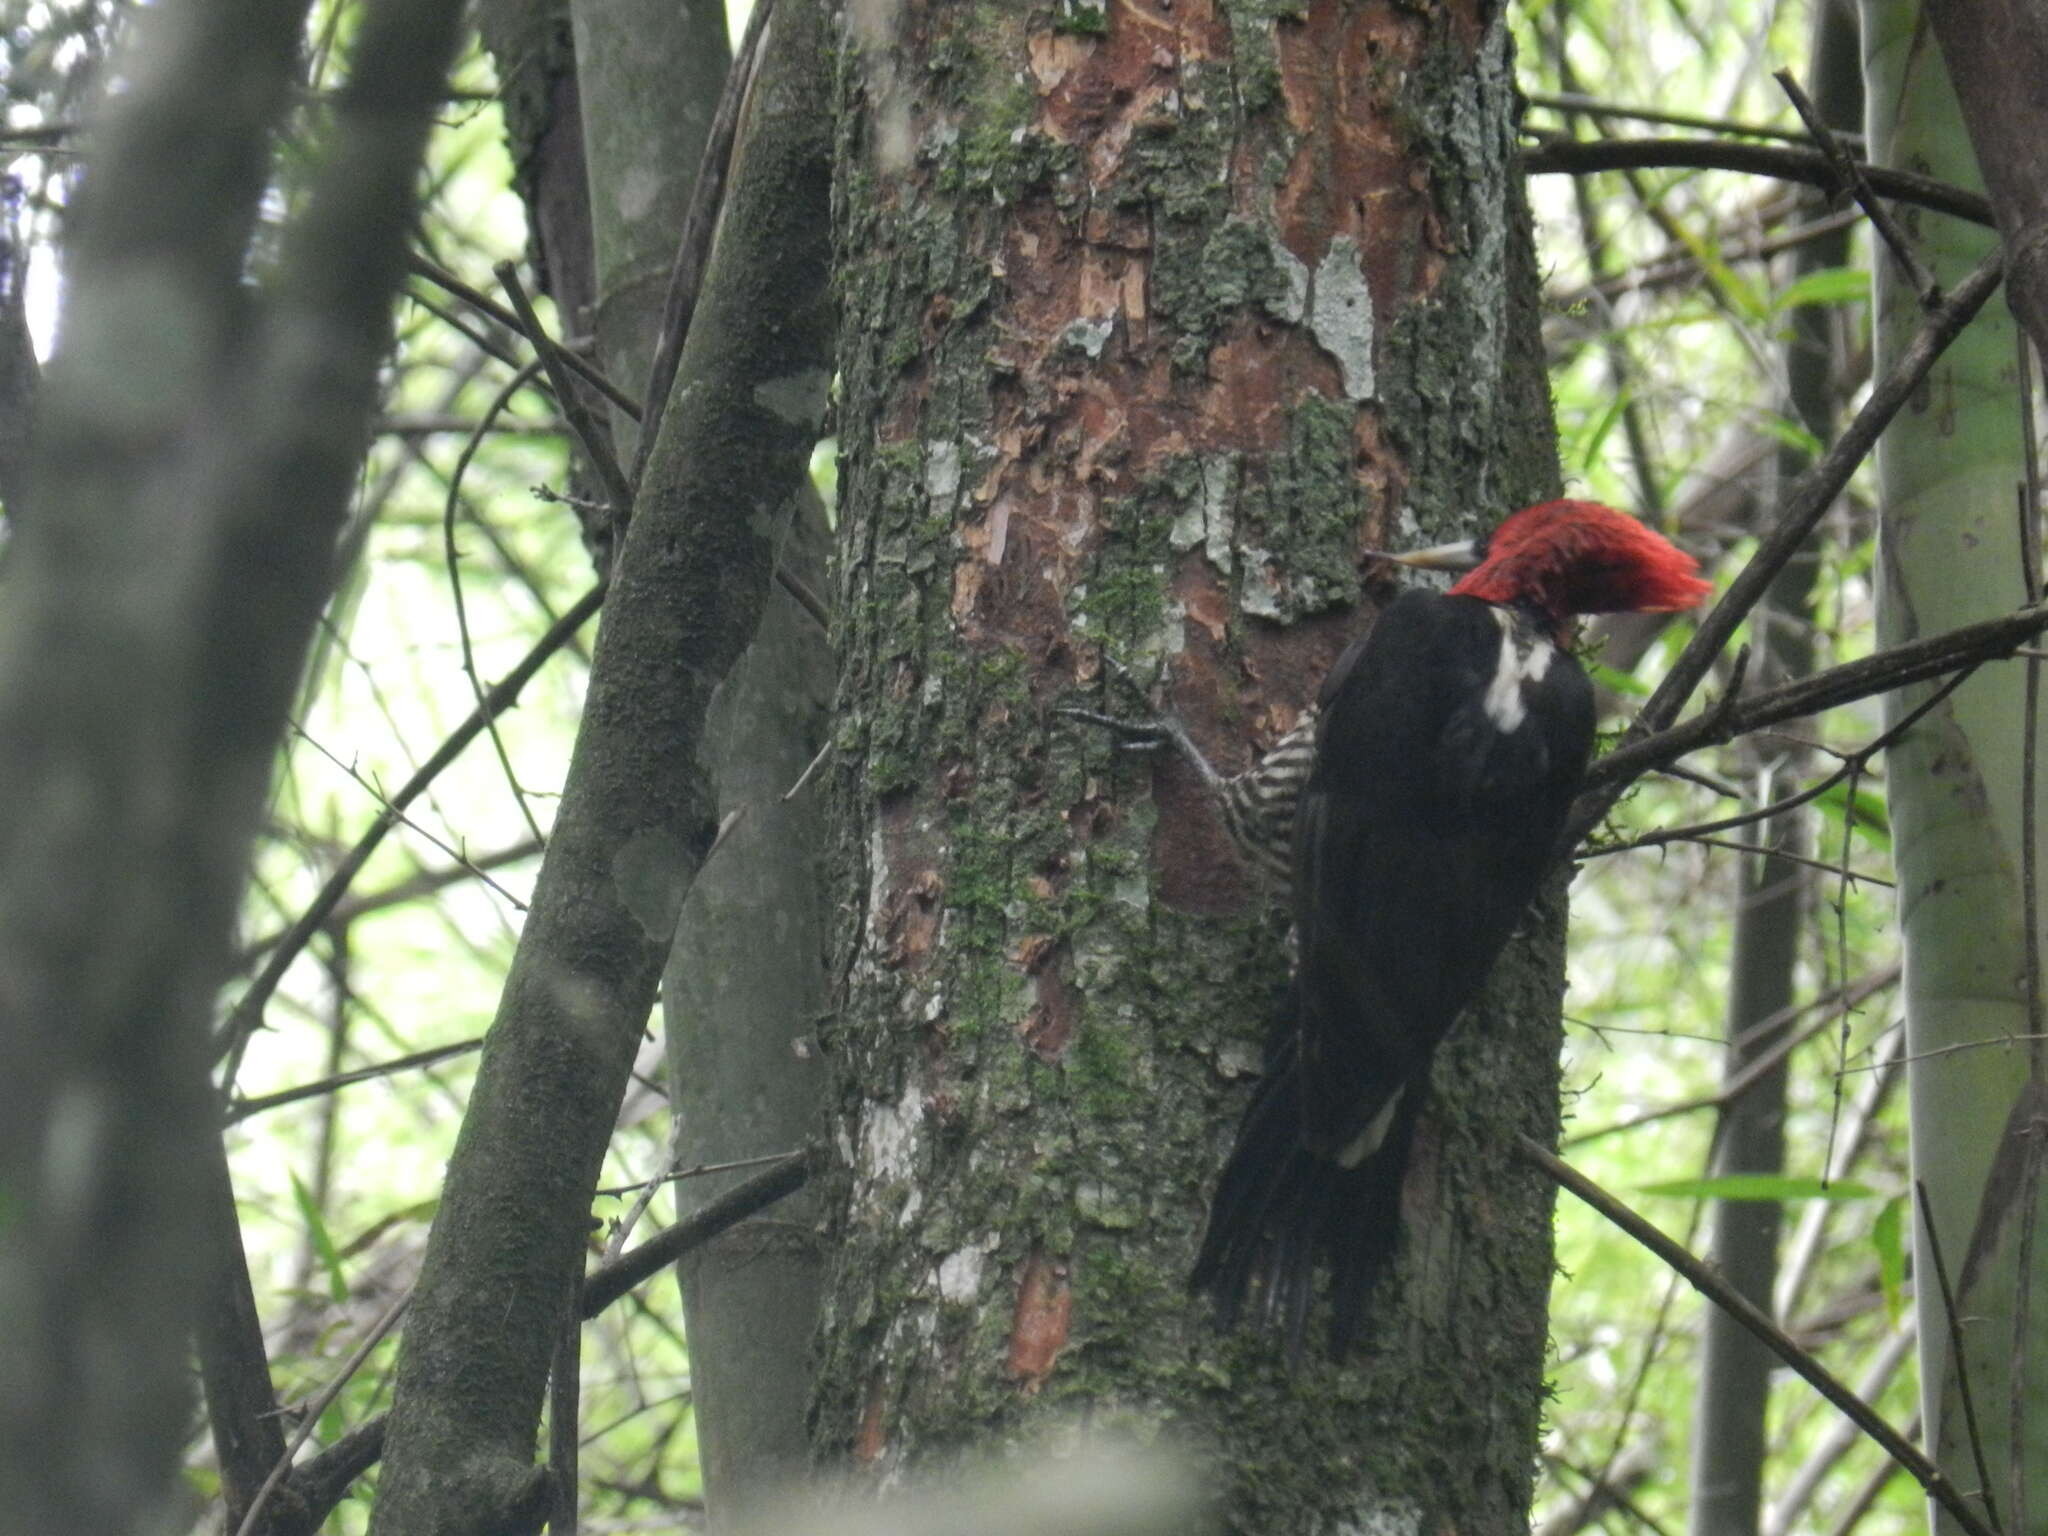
{"x": 1450, "y": 744}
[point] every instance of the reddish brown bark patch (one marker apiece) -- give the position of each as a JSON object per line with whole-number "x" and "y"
{"x": 906, "y": 924}
{"x": 1355, "y": 175}
{"x": 1045, "y": 1309}
{"x": 1049, "y": 1024}
{"x": 871, "y": 1442}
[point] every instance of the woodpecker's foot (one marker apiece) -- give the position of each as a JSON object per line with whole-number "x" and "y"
{"x": 1159, "y": 728}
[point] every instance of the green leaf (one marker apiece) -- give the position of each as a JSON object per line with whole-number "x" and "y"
{"x": 1614, "y": 680}
{"x": 323, "y": 1241}
{"x": 1589, "y": 448}
{"x": 1741, "y": 295}
{"x": 1868, "y": 814}
{"x": 1759, "y": 1186}
{"x": 1830, "y": 285}
{"x": 1791, "y": 434}
{"x": 1887, "y": 1236}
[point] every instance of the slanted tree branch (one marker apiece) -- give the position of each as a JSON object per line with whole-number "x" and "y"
{"x": 1704, "y": 1279}
{"x": 322, "y": 1482}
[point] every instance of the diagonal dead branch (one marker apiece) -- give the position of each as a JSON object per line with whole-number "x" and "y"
{"x": 1704, "y": 1279}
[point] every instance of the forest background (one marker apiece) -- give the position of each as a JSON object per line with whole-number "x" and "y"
{"x": 1706, "y": 333}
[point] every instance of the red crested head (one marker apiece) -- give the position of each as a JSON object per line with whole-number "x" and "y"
{"x": 1572, "y": 557}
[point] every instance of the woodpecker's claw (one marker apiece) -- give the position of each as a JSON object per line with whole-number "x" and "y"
{"x": 1131, "y": 735}
{"x": 1160, "y": 729}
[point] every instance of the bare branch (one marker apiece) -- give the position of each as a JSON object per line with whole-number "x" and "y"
{"x": 1574, "y": 157}
{"x": 1709, "y": 1284}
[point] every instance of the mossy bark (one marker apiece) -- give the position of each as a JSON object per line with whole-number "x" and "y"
{"x": 1153, "y": 319}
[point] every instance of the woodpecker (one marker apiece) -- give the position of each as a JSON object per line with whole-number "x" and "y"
{"x": 1419, "y": 808}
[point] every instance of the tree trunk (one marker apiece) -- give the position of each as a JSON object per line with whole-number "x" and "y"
{"x": 1951, "y": 553}
{"x": 1154, "y": 319}
{"x": 741, "y": 1000}
{"x": 190, "y": 471}
{"x": 634, "y": 824}
{"x": 745, "y": 982}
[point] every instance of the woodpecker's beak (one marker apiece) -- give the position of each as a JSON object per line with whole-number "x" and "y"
{"x": 1439, "y": 557}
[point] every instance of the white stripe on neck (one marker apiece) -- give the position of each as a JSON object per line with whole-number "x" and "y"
{"x": 1524, "y": 658}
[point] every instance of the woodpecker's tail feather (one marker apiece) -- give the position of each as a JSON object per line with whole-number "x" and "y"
{"x": 1281, "y": 1212}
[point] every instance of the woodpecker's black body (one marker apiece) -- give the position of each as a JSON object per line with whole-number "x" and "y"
{"x": 1449, "y": 745}
{"x": 1410, "y": 819}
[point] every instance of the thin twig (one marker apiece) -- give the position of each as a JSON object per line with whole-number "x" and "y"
{"x": 242, "y": 1109}
{"x": 1804, "y": 505}
{"x": 1856, "y": 1128}
{"x": 1855, "y": 769}
{"x": 1651, "y": 202}
{"x": 1613, "y": 339}
{"x": 808, "y": 600}
{"x": 412, "y": 888}
{"x": 1836, "y": 1002}
{"x": 1717, "y": 787}
{"x": 1865, "y": 1498}
{"x": 486, "y": 342}
{"x": 1955, "y": 1346}
{"x": 483, "y": 303}
{"x": 1850, "y": 179}
{"x": 590, "y": 433}
{"x": 310, "y": 1420}
{"x": 1704, "y": 1279}
{"x": 1576, "y": 102}
{"x": 2020, "y": 1380}
{"x": 698, "y": 1171}
{"x": 1668, "y": 267}
{"x": 1957, "y": 1049}
{"x": 429, "y": 424}
{"x": 804, "y": 778}
{"x": 1917, "y": 661}
{"x": 1786, "y": 1511}
{"x": 517, "y": 382}
{"x": 1634, "y": 1465}
{"x": 376, "y": 791}
{"x": 1803, "y": 860}
{"x": 233, "y": 1035}
{"x": 622, "y": 1229}
{"x": 1852, "y": 764}
{"x": 608, "y": 1283}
